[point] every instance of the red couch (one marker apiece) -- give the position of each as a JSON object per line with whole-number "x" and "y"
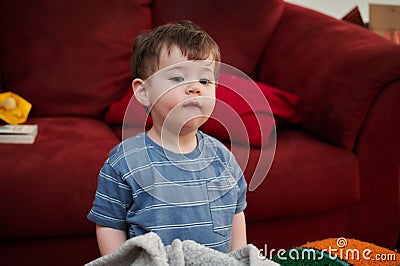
{"x": 335, "y": 174}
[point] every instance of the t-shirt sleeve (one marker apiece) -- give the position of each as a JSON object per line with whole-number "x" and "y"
{"x": 112, "y": 200}
{"x": 241, "y": 203}
{"x": 241, "y": 182}
{"x": 237, "y": 172}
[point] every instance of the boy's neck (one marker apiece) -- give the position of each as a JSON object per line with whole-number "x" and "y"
{"x": 179, "y": 143}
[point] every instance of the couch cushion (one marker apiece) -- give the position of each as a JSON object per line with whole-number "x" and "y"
{"x": 47, "y": 188}
{"x": 69, "y": 57}
{"x": 246, "y": 111}
{"x": 241, "y": 29}
{"x": 307, "y": 176}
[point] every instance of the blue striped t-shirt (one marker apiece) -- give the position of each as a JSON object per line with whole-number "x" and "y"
{"x": 143, "y": 187}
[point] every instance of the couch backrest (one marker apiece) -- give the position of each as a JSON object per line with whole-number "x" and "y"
{"x": 338, "y": 69}
{"x": 72, "y": 57}
{"x": 241, "y": 27}
{"x": 69, "y": 57}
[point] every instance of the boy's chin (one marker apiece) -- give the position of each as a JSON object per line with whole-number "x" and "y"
{"x": 193, "y": 124}
{"x": 185, "y": 126}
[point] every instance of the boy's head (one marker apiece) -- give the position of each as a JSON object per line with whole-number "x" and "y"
{"x": 194, "y": 43}
{"x": 175, "y": 68}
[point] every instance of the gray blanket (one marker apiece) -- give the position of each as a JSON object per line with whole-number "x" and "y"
{"x": 148, "y": 249}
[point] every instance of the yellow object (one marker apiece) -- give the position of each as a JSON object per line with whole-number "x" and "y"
{"x": 13, "y": 108}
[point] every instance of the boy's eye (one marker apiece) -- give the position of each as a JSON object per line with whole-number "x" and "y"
{"x": 177, "y": 79}
{"x": 204, "y": 81}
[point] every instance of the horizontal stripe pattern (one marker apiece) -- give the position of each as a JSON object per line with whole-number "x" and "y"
{"x": 194, "y": 196}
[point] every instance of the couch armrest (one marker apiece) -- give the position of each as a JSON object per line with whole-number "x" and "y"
{"x": 378, "y": 153}
{"x": 337, "y": 68}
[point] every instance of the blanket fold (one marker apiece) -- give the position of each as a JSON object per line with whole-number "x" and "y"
{"x": 148, "y": 249}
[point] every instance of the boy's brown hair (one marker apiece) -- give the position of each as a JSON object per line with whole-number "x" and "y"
{"x": 193, "y": 41}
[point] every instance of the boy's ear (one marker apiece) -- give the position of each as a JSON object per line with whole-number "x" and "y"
{"x": 140, "y": 92}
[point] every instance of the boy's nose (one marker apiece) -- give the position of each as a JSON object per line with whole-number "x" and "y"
{"x": 193, "y": 89}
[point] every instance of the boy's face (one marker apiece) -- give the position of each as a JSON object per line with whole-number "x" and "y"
{"x": 181, "y": 95}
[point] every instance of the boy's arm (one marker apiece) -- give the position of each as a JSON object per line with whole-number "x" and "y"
{"x": 239, "y": 238}
{"x": 109, "y": 239}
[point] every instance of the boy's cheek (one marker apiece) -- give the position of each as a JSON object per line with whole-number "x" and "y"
{"x": 209, "y": 105}
{"x": 159, "y": 94}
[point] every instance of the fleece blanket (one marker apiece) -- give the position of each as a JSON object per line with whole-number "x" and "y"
{"x": 148, "y": 249}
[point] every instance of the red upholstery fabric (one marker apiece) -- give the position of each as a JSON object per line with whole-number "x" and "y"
{"x": 73, "y": 55}
{"x": 295, "y": 188}
{"x": 72, "y": 250}
{"x": 277, "y": 233}
{"x": 243, "y": 118}
{"x": 379, "y": 161}
{"x": 242, "y": 30}
{"x": 336, "y": 76}
{"x": 245, "y": 111}
{"x": 56, "y": 202}
{"x": 115, "y": 114}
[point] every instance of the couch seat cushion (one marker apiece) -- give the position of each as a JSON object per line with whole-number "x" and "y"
{"x": 48, "y": 187}
{"x": 307, "y": 176}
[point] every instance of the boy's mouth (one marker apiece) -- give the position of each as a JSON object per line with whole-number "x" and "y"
{"x": 192, "y": 103}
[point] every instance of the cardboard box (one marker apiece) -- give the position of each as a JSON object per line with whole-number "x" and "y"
{"x": 385, "y": 21}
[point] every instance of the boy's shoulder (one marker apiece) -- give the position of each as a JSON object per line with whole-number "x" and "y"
{"x": 222, "y": 153}
{"x": 130, "y": 146}
{"x": 212, "y": 141}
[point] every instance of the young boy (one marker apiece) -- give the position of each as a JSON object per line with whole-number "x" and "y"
{"x": 173, "y": 180}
